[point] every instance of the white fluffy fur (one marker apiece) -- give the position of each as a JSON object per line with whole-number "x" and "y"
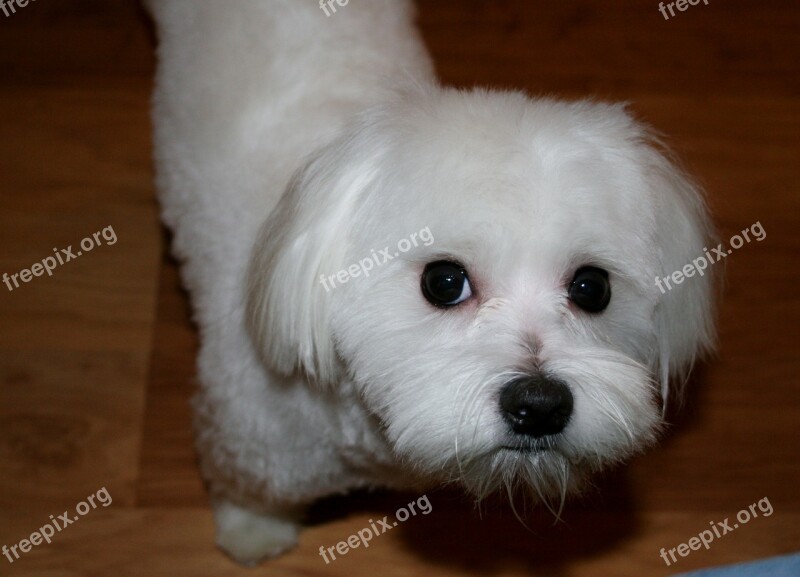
{"x": 333, "y": 134}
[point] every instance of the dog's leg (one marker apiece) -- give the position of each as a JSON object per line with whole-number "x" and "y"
{"x": 249, "y": 536}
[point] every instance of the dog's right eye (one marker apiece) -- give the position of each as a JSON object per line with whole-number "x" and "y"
{"x": 445, "y": 283}
{"x": 590, "y": 289}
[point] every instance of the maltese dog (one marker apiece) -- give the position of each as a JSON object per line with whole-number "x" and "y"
{"x": 399, "y": 284}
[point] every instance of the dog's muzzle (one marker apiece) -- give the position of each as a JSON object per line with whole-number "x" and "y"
{"x": 536, "y": 406}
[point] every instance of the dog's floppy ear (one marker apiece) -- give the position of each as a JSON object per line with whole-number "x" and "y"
{"x": 683, "y": 232}
{"x": 303, "y": 238}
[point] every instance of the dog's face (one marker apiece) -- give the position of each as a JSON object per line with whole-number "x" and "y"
{"x": 516, "y": 334}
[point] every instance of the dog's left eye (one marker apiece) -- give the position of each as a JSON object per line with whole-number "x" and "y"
{"x": 590, "y": 289}
{"x": 445, "y": 283}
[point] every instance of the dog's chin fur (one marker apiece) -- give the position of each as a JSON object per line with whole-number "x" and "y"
{"x": 308, "y": 391}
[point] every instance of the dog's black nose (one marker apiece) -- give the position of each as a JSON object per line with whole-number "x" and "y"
{"x": 536, "y": 406}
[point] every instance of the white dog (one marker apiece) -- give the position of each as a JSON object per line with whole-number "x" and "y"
{"x": 526, "y": 343}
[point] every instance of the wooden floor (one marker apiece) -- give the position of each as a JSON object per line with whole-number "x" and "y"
{"x": 96, "y": 361}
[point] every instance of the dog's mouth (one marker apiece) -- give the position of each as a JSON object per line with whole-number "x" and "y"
{"x": 524, "y": 450}
{"x": 539, "y": 445}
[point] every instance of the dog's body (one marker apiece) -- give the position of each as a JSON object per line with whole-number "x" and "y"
{"x": 369, "y": 385}
{"x": 243, "y": 94}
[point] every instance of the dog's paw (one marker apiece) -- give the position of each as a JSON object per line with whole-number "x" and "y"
{"x": 249, "y": 537}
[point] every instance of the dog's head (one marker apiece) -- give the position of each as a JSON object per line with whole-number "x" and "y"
{"x": 513, "y": 330}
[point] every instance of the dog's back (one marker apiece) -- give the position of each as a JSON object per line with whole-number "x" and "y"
{"x": 243, "y": 92}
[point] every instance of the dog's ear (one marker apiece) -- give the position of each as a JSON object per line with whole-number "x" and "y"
{"x": 304, "y": 238}
{"x": 685, "y": 313}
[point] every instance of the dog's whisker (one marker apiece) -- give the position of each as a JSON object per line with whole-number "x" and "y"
{"x": 509, "y": 480}
{"x": 463, "y": 417}
{"x": 564, "y": 482}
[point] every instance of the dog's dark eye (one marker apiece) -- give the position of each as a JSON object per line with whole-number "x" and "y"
{"x": 445, "y": 283}
{"x": 590, "y": 289}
